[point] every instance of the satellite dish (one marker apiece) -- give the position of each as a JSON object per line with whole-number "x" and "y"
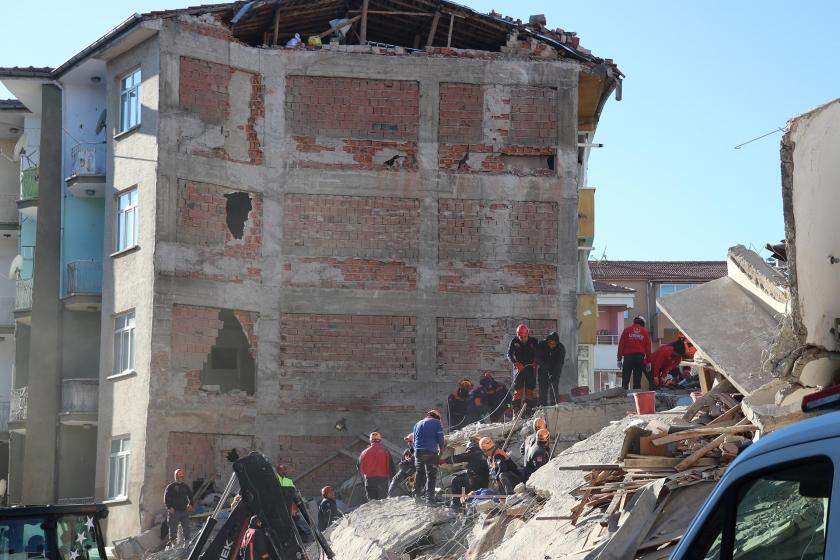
{"x": 15, "y": 268}
{"x": 19, "y": 147}
{"x": 100, "y": 124}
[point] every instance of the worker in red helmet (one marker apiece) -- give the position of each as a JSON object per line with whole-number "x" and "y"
{"x": 405, "y": 469}
{"x": 522, "y": 353}
{"x": 376, "y": 467}
{"x": 327, "y": 508}
{"x": 633, "y": 353}
{"x": 178, "y": 499}
{"x": 457, "y": 404}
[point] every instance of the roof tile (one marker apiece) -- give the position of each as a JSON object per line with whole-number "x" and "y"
{"x": 657, "y": 270}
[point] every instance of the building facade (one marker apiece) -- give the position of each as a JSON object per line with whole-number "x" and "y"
{"x": 290, "y": 238}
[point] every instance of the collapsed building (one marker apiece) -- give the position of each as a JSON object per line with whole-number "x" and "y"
{"x": 291, "y": 240}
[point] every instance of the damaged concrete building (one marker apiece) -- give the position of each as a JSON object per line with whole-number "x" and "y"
{"x": 295, "y": 238}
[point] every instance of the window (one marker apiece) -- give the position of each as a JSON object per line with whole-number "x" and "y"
{"x": 118, "y": 468}
{"x": 130, "y": 101}
{"x": 127, "y": 220}
{"x": 23, "y": 538}
{"x": 780, "y": 515}
{"x": 123, "y": 343}
{"x": 668, "y": 289}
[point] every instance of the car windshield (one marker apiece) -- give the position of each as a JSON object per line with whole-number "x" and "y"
{"x": 22, "y": 538}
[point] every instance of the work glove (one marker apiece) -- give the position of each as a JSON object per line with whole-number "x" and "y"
{"x": 519, "y": 367}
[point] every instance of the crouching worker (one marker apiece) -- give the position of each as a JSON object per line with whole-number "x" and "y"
{"x": 538, "y": 454}
{"x": 502, "y": 468}
{"x": 405, "y": 469}
{"x": 477, "y": 475}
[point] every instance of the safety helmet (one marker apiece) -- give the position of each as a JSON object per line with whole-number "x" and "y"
{"x": 433, "y": 414}
{"x": 327, "y": 490}
{"x": 281, "y": 468}
{"x": 465, "y": 384}
{"x": 543, "y": 435}
{"x": 522, "y": 330}
{"x": 486, "y": 444}
{"x": 375, "y": 436}
{"x": 538, "y": 424}
{"x": 409, "y": 437}
{"x": 639, "y": 320}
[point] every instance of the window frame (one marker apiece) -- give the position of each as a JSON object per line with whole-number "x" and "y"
{"x": 119, "y": 460}
{"x": 119, "y": 334}
{"x": 119, "y": 223}
{"x": 682, "y": 286}
{"x": 134, "y": 91}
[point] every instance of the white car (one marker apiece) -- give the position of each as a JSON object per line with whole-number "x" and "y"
{"x": 773, "y": 502}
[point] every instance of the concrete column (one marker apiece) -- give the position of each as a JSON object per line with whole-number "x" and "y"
{"x": 45, "y": 341}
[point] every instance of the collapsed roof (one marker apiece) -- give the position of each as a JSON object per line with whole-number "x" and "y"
{"x": 657, "y": 270}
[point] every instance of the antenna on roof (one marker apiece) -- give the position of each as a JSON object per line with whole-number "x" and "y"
{"x": 604, "y": 254}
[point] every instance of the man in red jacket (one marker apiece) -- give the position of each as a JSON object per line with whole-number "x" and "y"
{"x": 376, "y": 467}
{"x": 634, "y": 353}
{"x": 666, "y": 358}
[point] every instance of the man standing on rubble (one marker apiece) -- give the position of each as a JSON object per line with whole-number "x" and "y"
{"x": 550, "y": 356}
{"x": 539, "y": 454}
{"x": 522, "y": 353}
{"x": 377, "y": 467}
{"x": 477, "y": 475}
{"x": 457, "y": 404}
{"x": 327, "y": 508}
{"x": 178, "y": 499}
{"x": 405, "y": 469}
{"x": 428, "y": 445}
{"x": 502, "y": 468}
{"x": 633, "y": 353}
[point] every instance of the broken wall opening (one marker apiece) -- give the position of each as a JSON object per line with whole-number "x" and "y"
{"x": 237, "y": 208}
{"x": 230, "y": 366}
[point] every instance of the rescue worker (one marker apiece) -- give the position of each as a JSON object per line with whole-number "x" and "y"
{"x": 537, "y": 424}
{"x": 327, "y": 508}
{"x": 522, "y": 354}
{"x": 502, "y": 468}
{"x": 457, "y": 404}
{"x": 477, "y": 475}
{"x": 666, "y": 358}
{"x": 550, "y": 357}
{"x": 405, "y": 469}
{"x": 539, "y": 454}
{"x": 254, "y": 542}
{"x": 428, "y": 445}
{"x": 634, "y": 353}
{"x": 476, "y": 405}
{"x": 178, "y": 500}
{"x": 376, "y": 467}
{"x": 495, "y": 395}
{"x": 289, "y": 493}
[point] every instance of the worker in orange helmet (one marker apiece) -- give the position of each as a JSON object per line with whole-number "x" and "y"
{"x": 522, "y": 353}
{"x": 405, "y": 469}
{"x": 539, "y": 453}
{"x": 376, "y": 467}
{"x": 457, "y": 404}
{"x": 502, "y": 468}
{"x": 537, "y": 424}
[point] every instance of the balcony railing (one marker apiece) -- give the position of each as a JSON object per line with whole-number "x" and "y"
{"x": 4, "y": 416}
{"x": 607, "y": 339}
{"x": 29, "y": 183}
{"x": 19, "y": 405}
{"x": 7, "y": 311}
{"x": 79, "y": 396}
{"x": 88, "y": 159}
{"x": 84, "y": 277}
{"x": 23, "y": 294}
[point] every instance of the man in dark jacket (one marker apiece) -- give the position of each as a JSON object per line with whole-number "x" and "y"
{"x": 522, "y": 354}
{"x": 457, "y": 404}
{"x": 538, "y": 454}
{"x": 254, "y": 543}
{"x": 428, "y": 444}
{"x": 495, "y": 395}
{"x": 477, "y": 475}
{"x": 550, "y": 356}
{"x": 405, "y": 469}
{"x": 178, "y": 499}
{"x": 327, "y": 508}
{"x": 502, "y": 468}
{"x": 377, "y": 467}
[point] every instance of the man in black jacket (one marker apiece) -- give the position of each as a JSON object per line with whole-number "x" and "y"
{"x": 327, "y": 508}
{"x": 178, "y": 499}
{"x": 477, "y": 475}
{"x": 550, "y": 356}
{"x": 522, "y": 354}
{"x": 405, "y": 469}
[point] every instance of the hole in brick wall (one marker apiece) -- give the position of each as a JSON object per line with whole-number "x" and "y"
{"x": 237, "y": 208}
{"x": 521, "y": 162}
{"x": 229, "y": 366}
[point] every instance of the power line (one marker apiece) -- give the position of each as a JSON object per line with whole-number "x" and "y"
{"x": 738, "y": 147}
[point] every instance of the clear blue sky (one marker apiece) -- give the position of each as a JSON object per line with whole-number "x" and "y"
{"x": 701, "y": 78}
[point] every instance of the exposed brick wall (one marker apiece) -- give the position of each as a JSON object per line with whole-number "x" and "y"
{"x": 302, "y": 452}
{"x": 468, "y": 347}
{"x": 533, "y": 116}
{"x": 360, "y": 274}
{"x": 461, "y": 113}
{"x": 367, "y": 344}
{"x": 352, "y": 226}
{"x": 204, "y": 455}
{"x": 496, "y": 160}
{"x": 202, "y": 220}
{"x": 533, "y": 231}
{"x": 520, "y": 278}
{"x": 352, "y": 107}
{"x": 203, "y": 88}
{"x": 248, "y": 321}
{"x": 194, "y": 25}
{"x": 348, "y": 154}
